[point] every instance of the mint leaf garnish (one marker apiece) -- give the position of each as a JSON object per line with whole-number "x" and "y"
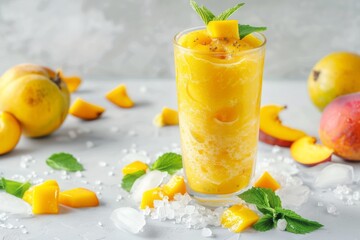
{"x": 129, "y": 179}
{"x": 264, "y": 224}
{"x": 15, "y": 188}
{"x": 205, "y": 14}
{"x": 245, "y": 30}
{"x": 227, "y": 13}
{"x": 64, "y": 161}
{"x": 270, "y": 205}
{"x": 168, "y": 162}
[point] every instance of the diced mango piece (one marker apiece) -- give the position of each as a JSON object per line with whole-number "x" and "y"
{"x": 134, "y": 167}
{"x": 149, "y": 196}
{"x": 174, "y": 186}
{"x": 167, "y": 116}
{"x": 28, "y": 195}
{"x": 45, "y": 199}
{"x": 120, "y": 97}
{"x": 85, "y": 110}
{"x": 238, "y": 217}
{"x": 72, "y": 82}
{"x": 78, "y": 198}
{"x": 223, "y": 29}
{"x": 267, "y": 181}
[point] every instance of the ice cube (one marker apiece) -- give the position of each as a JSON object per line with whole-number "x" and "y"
{"x": 128, "y": 219}
{"x": 281, "y": 224}
{"x": 331, "y": 209}
{"x": 294, "y": 196}
{"x": 335, "y": 174}
{"x": 12, "y": 204}
{"x": 206, "y": 232}
{"x": 148, "y": 181}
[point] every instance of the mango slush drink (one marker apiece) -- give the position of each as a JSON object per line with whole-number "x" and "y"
{"x": 219, "y": 91}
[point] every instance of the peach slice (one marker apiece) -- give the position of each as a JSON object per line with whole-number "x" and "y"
{"x": 119, "y": 97}
{"x": 72, "y": 82}
{"x": 167, "y": 116}
{"x": 271, "y": 129}
{"x": 267, "y": 181}
{"x": 85, "y": 110}
{"x": 10, "y": 132}
{"x": 306, "y": 152}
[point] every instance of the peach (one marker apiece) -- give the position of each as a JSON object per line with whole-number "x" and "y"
{"x": 340, "y": 126}
{"x": 306, "y": 152}
{"x": 272, "y": 131}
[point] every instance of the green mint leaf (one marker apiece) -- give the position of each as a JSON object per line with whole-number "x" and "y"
{"x": 296, "y": 223}
{"x": 227, "y": 13}
{"x": 168, "y": 162}
{"x": 245, "y": 30}
{"x": 274, "y": 200}
{"x": 64, "y": 161}
{"x": 203, "y": 12}
{"x": 2, "y": 186}
{"x": 15, "y": 188}
{"x": 264, "y": 224}
{"x": 255, "y": 196}
{"x": 129, "y": 179}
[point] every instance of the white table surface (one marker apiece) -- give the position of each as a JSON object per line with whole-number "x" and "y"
{"x": 83, "y": 223}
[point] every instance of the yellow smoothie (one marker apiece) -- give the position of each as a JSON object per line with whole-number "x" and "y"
{"x": 219, "y": 89}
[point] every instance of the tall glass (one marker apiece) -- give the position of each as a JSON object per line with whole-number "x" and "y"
{"x": 219, "y": 103}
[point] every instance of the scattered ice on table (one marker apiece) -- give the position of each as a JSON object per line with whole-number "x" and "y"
{"x": 128, "y": 219}
{"x": 281, "y": 224}
{"x": 125, "y": 151}
{"x": 335, "y": 174}
{"x": 114, "y": 129}
{"x": 320, "y": 204}
{"x": 72, "y": 134}
{"x": 111, "y": 173}
{"x": 46, "y": 173}
{"x": 83, "y": 130}
{"x": 118, "y": 198}
{"x": 90, "y": 144}
{"x": 102, "y": 164}
{"x": 276, "y": 149}
{"x": 356, "y": 195}
{"x": 143, "y": 89}
{"x": 148, "y": 181}
{"x": 100, "y": 224}
{"x": 12, "y": 204}
{"x": 331, "y": 209}
{"x": 131, "y": 157}
{"x": 131, "y": 133}
{"x": 79, "y": 174}
{"x": 294, "y": 195}
{"x": 206, "y": 232}
{"x": 98, "y": 182}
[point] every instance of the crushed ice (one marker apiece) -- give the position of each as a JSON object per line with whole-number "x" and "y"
{"x": 128, "y": 219}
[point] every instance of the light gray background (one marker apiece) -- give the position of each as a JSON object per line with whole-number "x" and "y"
{"x": 132, "y": 38}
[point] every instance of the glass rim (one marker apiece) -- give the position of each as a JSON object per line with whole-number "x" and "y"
{"x": 178, "y": 35}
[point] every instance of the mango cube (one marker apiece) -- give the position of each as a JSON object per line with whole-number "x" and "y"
{"x": 45, "y": 199}
{"x": 28, "y": 195}
{"x": 149, "y": 196}
{"x": 120, "y": 97}
{"x": 174, "y": 186}
{"x": 134, "y": 167}
{"x": 167, "y": 116}
{"x": 72, "y": 82}
{"x": 223, "y": 29}
{"x": 267, "y": 181}
{"x": 238, "y": 217}
{"x": 78, "y": 198}
{"x": 85, "y": 110}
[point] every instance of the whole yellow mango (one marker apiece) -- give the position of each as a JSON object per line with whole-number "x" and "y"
{"x": 36, "y": 96}
{"x": 334, "y": 75}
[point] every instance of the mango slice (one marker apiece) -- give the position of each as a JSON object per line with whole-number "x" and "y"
{"x": 223, "y": 29}
{"x": 134, "y": 167}
{"x": 72, "y": 82}
{"x": 85, "y": 110}
{"x": 78, "y": 198}
{"x": 174, "y": 186}
{"x": 45, "y": 199}
{"x": 28, "y": 195}
{"x": 238, "y": 217}
{"x": 267, "y": 181}
{"x": 167, "y": 116}
{"x": 120, "y": 97}
{"x": 149, "y": 196}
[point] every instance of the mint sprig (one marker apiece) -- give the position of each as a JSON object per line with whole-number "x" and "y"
{"x": 269, "y": 204}
{"x": 129, "y": 179}
{"x": 206, "y": 15}
{"x": 13, "y": 187}
{"x": 168, "y": 162}
{"x": 64, "y": 161}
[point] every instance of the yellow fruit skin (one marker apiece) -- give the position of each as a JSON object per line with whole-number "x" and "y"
{"x": 36, "y": 96}
{"x": 119, "y": 97}
{"x": 334, "y": 75}
{"x": 85, "y": 110}
{"x": 78, "y": 198}
{"x": 10, "y": 132}
{"x": 238, "y": 217}
{"x": 267, "y": 181}
{"x": 134, "y": 167}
